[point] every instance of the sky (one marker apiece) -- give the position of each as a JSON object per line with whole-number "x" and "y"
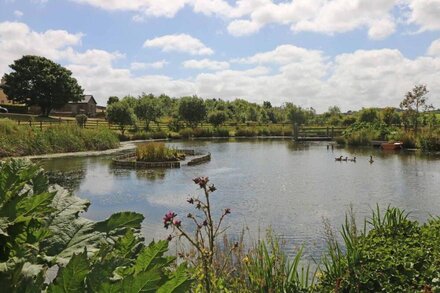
{"x": 313, "y": 53}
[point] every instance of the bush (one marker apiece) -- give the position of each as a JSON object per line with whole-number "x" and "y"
{"x": 186, "y": 133}
{"x": 160, "y": 134}
{"x": 141, "y": 135}
{"x": 221, "y": 132}
{"x": 81, "y": 120}
{"x": 202, "y": 132}
{"x": 340, "y": 140}
{"x": 429, "y": 141}
{"x": 246, "y": 132}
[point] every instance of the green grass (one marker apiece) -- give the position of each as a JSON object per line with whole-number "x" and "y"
{"x": 23, "y": 140}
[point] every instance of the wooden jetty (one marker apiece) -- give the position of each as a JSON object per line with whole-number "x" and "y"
{"x": 302, "y": 133}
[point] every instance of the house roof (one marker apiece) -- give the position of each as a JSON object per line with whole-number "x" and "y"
{"x": 85, "y": 100}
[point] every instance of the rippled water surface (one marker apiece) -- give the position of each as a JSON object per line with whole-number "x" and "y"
{"x": 267, "y": 183}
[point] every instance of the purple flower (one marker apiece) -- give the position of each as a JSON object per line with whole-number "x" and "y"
{"x": 168, "y": 219}
{"x": 177, "y": 223}
{"x": 205, "y": 223}
{"x": 201, "y": 181}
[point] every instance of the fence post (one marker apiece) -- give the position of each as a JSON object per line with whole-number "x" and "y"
{"x": 30, "y": 123}
{"x": 326, "y": 132}
{"x": 333, "y": 132}
{"x": 18, "y": 122}
{"x": 41, "y": 125}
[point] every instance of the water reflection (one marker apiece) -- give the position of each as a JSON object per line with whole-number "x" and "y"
{"x": 288, "y": 186}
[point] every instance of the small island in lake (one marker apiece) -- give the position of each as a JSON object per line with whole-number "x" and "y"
{"x": 158, "y": 155}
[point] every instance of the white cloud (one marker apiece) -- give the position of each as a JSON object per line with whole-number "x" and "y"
{"x": 246, "y": 17}
{"x": 141, "y": 66}
{"x": 18, "y": 13}
{"x": 287, "y": 73}
{"x": 205, "y": 64}
{"x": 179, "y": 43}
{"x": 434, "y": 49}
{"x": 425, "y": 13}
{"x": 16, "y": 40}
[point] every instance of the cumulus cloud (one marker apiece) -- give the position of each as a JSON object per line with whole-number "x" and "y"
{"x": 287, "y": 73}
{"x": 246, "y": 17}
{"x": 179, "y": 43}
{"x": 425, "y": 13}
{"x": 434, "y": 49}
{"x": 18, "y": 13}
{"x": 205, "y": 64}
{"x": 141, "y": 66}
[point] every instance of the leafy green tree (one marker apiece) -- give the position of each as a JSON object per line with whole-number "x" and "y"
{"x": 390, "y": 116}
{"x": 112, "y": 99}
{"x": 368, "y": 115}
{"x": 414, "y": 103}
{"x": 334, "y": 111}
{"x": 148, "y": 108}
{"x": 217, "y": 118}
{"x": 122, "y": 114}
{"x": 295, "y": 114}
{"x": 192, "y": 110}
{"x": 81, "y": 120}
{"x": 36, "y": 80}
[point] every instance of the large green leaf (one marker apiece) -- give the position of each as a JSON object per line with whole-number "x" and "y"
{"x": 70, "y": 237}
{"x": 151, "y": 256}
{"x": 148, "y": 281}
{"x": 67, "y": 205}
{"x": 119, "y": 222}
{"x": 71, "y": 279}
{"x": 179, "y": 283}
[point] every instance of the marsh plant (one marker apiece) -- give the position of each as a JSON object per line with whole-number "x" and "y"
{"x": 206, "y": 232}
{"x": 156, "y": 152}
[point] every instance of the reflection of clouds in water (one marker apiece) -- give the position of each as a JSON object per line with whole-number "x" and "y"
{"x": 171, "y": 200}
{"x": 98, "y": 182}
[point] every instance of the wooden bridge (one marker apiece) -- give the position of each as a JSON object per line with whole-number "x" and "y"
{"x": 303, "y": 133}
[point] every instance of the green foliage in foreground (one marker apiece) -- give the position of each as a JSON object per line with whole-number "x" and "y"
{"x": 40, "y": 228}
{"x": 24, "y": 140}
{"x": 395, "y": 255}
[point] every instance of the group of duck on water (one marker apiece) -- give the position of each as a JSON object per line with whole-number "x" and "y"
{"x": 346, "y": 159}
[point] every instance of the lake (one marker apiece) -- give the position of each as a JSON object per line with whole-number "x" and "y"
{"x": 276, "y": 183}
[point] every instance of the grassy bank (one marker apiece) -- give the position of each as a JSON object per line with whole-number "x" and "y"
{"x": 24, "y": 140}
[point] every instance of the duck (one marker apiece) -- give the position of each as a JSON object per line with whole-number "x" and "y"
{"x": 353, "y": 160}
{"x": 345, "y": 160}
{"x": 371, "y": 160}
{"x": 338, "y": 159}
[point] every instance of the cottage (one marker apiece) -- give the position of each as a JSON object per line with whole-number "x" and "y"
{"x": 86, "y": 106}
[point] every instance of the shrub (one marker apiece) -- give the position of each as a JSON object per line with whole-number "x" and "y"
{"x": 141, "y": 135}
{"x": 246, "y": 132}
{"x": 221, "y": 132}
{"x": 202, "y": 132}
{"x": 186, "y": 133}
{"x": 429, "y": 141}
{"x": 159, "y": 134}
{"x": 81, "y": 120}
{"x": 340, "y": 140}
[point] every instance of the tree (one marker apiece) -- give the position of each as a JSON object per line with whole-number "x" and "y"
{"x": 39, "y": 81}
{"x": 217, "y": 118}
{"x": 121, "y": 114}
{"x": 148, "y": 109}
{"x": 415, "y": 102}
{"x": 295, "y": 114}
{"x": 368, "y": 115}
{"x": 111, "y": 100}
{"x": 192, "y": 110}
{"x": 390, "y": 116}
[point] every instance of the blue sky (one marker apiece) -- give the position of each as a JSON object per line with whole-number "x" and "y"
{"x": 315, "y": 53}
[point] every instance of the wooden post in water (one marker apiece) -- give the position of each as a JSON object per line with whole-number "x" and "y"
{"x": 41, "y": 125}
{"x": 326, "y": 132}
{"x": 333, "y": 132}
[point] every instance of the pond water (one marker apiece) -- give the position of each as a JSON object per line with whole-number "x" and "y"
{"x": 290, "y": 187}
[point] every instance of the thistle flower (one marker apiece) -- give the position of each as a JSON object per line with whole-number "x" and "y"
{"x": 201, "y": 181}
{"x": 177, "y": 223}
{"x": 168, "y": 219}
